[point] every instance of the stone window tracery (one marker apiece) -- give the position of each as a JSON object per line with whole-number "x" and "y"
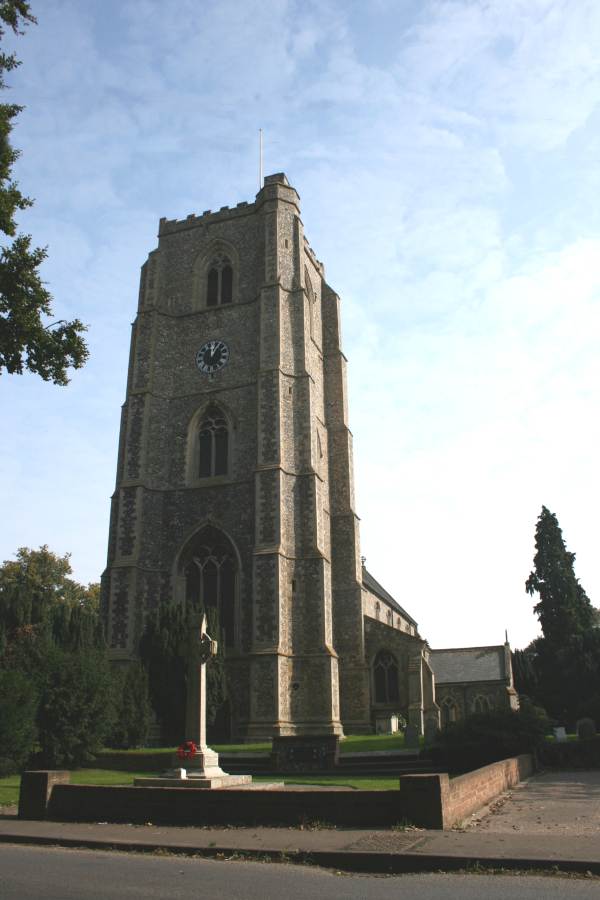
{"x": 385, "y": 677}
{"x": 219, "y": 281}
{"x": 481, "y": 704}
{"x": 213, "y": 443}
{"x": 449, "y": 710}
{"x": 211, "y": 578}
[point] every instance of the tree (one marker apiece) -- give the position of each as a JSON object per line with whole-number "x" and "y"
{"x": 525, "y": 669}
{"x": 563, "y": 609}
{"x": 561, "y": 669}
{"x": 53, "y": 645}
{"x": 132, "y": 707}
{"x": 26, "y": 340}
{"x": 164, "y": 650}
{"x": 18, "y": 707}
{"x": 36, "y": 590}
{"x": 75, "y": 710}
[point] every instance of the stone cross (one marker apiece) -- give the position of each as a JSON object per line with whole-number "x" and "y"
{"x": 202, "y": 767}
{"x": 201, "y": 650}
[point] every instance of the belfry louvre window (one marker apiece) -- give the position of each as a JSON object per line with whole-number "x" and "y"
{"x": 213, "y": 442}
{"x": 219, "y": 285}
{"x": 385, "y": 675}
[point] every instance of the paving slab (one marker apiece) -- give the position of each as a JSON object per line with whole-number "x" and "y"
{"x": 549, "y": 803}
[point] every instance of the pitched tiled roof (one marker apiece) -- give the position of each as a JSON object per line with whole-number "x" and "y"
{"x": 375, "y": 588}
{"x": 468, "y": 664}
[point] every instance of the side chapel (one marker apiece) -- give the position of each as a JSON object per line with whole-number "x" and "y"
{"x": 234, "y": 480}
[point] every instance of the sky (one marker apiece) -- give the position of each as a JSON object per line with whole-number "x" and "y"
{"x": 446, "y": 155}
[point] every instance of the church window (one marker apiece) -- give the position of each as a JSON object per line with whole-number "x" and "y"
{"x": 385, "y": 677}
{"x": 213, "y": 442}
{"x": 211, "y": 579}
{"x": 481, "y": 704}
{"x": 219, "y": 284}
{"x": 449, "y": 710}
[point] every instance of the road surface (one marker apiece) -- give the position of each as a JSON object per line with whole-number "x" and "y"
{"x": 35, "y": 873}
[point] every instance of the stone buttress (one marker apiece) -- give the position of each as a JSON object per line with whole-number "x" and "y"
{"x": 279, "y": 517}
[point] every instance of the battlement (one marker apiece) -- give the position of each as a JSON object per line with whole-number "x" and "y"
{"x": 168, "y": 226}
{"x": 318, "y": 264}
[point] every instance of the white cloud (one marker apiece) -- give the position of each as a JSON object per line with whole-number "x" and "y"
{"x": 446, "y": 155}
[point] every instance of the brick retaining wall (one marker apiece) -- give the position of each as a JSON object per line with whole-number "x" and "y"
{"x": 187, "y": 806}
{"x": 430, "y": 801}
{"x": 436, "y": 801}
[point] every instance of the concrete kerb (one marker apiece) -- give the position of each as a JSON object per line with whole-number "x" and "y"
{"x": 376, "y": 862}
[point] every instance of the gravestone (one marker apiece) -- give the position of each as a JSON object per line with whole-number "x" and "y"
{"x": 585, "y": 728}
{"x": 386, "y": 724}
{"x": 560, "y": 734}
{"x": 411, "y": 737}
{"x": 305, "y": 753}
{"x": 431, "y": 731}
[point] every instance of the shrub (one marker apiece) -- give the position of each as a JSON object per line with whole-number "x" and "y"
{"x": 487, "y": 737}
{"x": 132, "y": 709}
{"x": 75, "y": 712}
{"x": 18, "y": 706}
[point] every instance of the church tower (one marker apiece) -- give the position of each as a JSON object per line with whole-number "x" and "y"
{"x": 235, "y": 475}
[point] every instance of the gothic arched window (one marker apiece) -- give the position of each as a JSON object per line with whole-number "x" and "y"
{"x": 385, "y": 677}
{"x": 213, "y": 443}
{"x": 449, "y": 710}
{"x": 211, "y": 578}
{"x": 481, "y": 704}
{"x": 219, "y": 281}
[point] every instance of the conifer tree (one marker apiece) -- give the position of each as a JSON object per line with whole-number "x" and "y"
{"x": 566, "y": 659}
{"x": 563, "y": 609}
{"x": 164, "y": 651}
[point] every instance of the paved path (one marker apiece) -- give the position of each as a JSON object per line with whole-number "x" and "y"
{"x": 551, "y": 803}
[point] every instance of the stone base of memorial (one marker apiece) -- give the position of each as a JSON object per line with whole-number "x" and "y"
{"x": 202, "y": 771}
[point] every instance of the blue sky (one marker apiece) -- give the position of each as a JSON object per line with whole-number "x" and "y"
{"x": 446, "y": 155}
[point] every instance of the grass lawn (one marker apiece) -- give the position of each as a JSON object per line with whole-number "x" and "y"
{"x": 9, "y": 790}
{"x": 9, "y": 786}
{"x": 353, "y": 743}
{"x": 358, "y": 782}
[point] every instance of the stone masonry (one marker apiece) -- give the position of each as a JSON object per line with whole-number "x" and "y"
{"x": 271, "y": 530}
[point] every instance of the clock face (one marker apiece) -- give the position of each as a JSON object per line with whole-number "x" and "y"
{"x": 212, "y": 356}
